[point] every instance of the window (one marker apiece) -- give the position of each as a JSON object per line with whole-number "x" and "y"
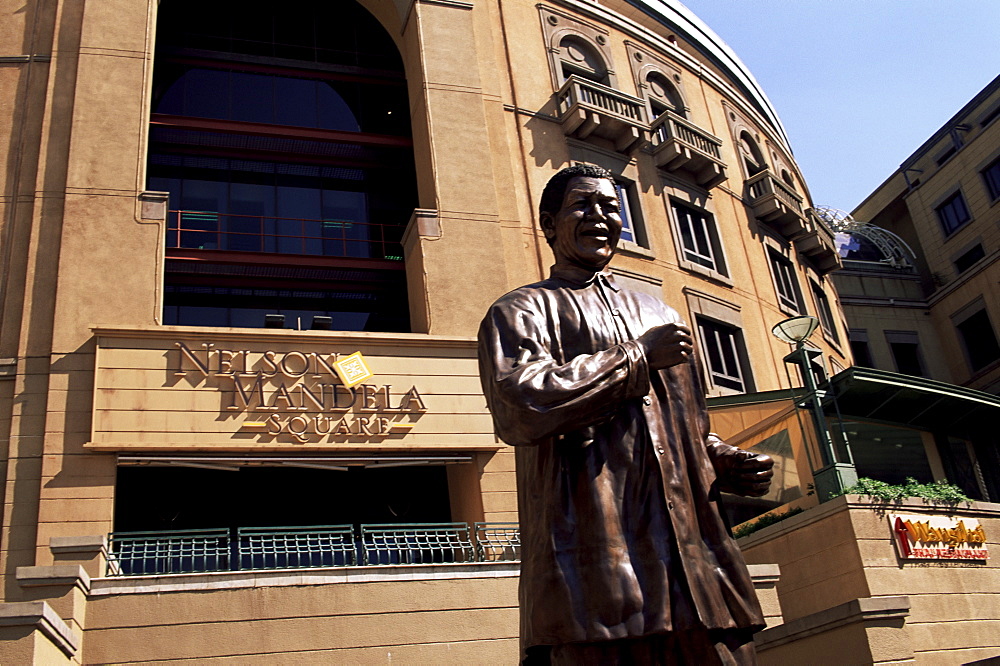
{"x": 581, "y": 59}
{"x": 724, "y": 353}
{"x": 753, "y": 160}
{"x": 904, "y": 346}
{"x": 860, "y": 349}
{"x": 699, "y": 240}
{"x": 826, "y": 319}
{"x": 663, "y": 96}
{"x": 991, "y": 175}
{"x": 969, "y": 257}
{"x": 980, "y": 341}
{"x": 628, "y": 200}
{"x": 287, "y": 154}
{"x": 953, "y": 213}
{"x": 784, "y": 281}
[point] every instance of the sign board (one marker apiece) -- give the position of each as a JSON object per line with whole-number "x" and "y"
{"x": 930, "y": 537}
{"x": 239, "y": 390}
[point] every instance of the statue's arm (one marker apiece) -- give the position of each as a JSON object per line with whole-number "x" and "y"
{"x": 531, "y": 395}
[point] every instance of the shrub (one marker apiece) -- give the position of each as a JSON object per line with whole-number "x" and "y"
{"x": 767, "y": 519}
{"x": 938, "y": 492}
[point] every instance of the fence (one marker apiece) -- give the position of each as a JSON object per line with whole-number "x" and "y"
{"x": 243, "y": 549}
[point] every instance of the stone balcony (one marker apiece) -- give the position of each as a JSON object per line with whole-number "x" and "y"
{"x": 588, "y": 109}
{"x": 817, "y": 243}
{"x": 776, "y": 203}
{"x": 680, "y": 145}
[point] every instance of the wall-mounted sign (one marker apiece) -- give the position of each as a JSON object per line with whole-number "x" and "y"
{"x": 301, "y": 395}
{"x": 929, "y": 537}
{"x": 167, "y": 389}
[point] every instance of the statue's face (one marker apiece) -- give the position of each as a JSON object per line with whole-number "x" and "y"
{"x": 587, "y": 227}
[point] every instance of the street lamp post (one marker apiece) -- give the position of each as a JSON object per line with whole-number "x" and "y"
{"x": 834, "y": 476}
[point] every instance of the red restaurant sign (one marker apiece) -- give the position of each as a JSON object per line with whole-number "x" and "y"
{"x": 938, "y": 537}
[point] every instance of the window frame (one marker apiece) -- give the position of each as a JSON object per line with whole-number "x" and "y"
{"x": 698, "y": 221}
{"x": 974, "y": 310}
{"x": 729, "y": 346}
{"x": 824, "y": 312}
{"x": 991, "y": 179}
{"x": 947, "y": 203}
{"x": 783, "y": 274}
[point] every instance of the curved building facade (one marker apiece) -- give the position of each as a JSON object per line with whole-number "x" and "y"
{"x": 206, "y": 213}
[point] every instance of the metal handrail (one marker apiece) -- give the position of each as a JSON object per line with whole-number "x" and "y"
{"x": 292, "y": 548}
{"x": 498, "y": 542}
{"x": 433, "y": 543}
{"x": 261, "y": 548}
{"x": 212, "y": 230}
{"x": 180, "y": 551}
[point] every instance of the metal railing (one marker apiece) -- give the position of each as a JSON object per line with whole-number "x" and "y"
{"x": 766, "y": 183}
{"x": 601, "y": 98}
{"x": 670, "y": 126}
{"x": 416, "y": 544}
{"x": 261, "y": 548}
{"x": 182, "y": 551}
{"x": 210, "y": 230}
{"x": 497, "y": 542}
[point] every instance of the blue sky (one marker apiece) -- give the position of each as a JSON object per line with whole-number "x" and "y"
{"x": 860, "y": 84}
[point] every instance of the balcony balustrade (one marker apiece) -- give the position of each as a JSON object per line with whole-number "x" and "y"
{"x": 252, "y": 549}
{"x": 679, "y": 145}
{"x": 776, "y": 203}
{"x": 817, "y": 242}
{"x": 588, "y": 108}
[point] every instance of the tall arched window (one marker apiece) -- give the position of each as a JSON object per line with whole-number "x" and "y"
{"x": 283, "y": 138}
{"x": 580, "y": 58}
{"x": 753, "y": 159}
{"x": 663, "y": 96}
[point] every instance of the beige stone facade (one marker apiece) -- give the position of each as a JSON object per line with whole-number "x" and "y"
{"x": 140, "y": 388}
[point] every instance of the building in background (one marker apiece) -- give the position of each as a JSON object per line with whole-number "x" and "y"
{"x": 207, "y": 211}
{"x": 919, "y": 291}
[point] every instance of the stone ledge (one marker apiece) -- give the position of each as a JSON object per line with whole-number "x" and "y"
{"x": 59, "y": 574}
{"x": 230, "y": 580}
{"x": 853, "y": 612}
{"x": 41, "y": 616}
{"x": 764, "y": 574}
{"x": 78, "y": 544}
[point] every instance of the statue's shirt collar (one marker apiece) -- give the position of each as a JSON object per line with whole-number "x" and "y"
{"x": 582, "y": 277}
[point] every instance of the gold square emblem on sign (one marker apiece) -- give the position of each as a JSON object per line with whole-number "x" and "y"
{"x": 353, "y": 370}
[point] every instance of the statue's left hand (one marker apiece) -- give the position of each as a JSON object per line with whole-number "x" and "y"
{"x": 750, "y": 475}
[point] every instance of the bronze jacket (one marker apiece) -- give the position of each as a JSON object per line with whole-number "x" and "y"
{"x": 616, "y": 470}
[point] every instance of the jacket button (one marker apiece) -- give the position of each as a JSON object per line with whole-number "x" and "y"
{"x": 659, "y": 449}
{"x": 670, "y": 506}
{"x": 646, "y": 400}
{"x": 615, "y": 312}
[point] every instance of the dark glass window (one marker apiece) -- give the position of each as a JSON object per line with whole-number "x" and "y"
{"x": 991, "y": 175}
{"x": 862, "y": 353}
{"x": 953, "y": 213}
{"x": 907, "y": 358}
{"x": 324, "y": 176}
{"x": 980, "y": 340}
{"x": 699, "y": 240}
{"x": 632, "y": 227}
{"x": 825, "y": 313}
{"x": 784, "y": 281}
{"x": 724, "y": 354}
{"x": 970, "y": 257}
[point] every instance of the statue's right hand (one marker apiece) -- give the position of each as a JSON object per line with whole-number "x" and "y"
{"x": 667, "y": 345}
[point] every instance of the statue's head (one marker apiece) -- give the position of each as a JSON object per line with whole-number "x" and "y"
{"x": 580, "y": 216}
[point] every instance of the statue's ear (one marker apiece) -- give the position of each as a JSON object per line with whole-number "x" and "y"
{"x": 548, "y": 223}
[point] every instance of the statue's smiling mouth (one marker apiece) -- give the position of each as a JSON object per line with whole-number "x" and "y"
{"x": 599, "y": 231}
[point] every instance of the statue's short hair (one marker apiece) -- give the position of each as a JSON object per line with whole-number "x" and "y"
{"x": 555, "y": 189}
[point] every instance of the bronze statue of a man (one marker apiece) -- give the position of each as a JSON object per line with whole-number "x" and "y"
{"x": 625, "y": 555}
